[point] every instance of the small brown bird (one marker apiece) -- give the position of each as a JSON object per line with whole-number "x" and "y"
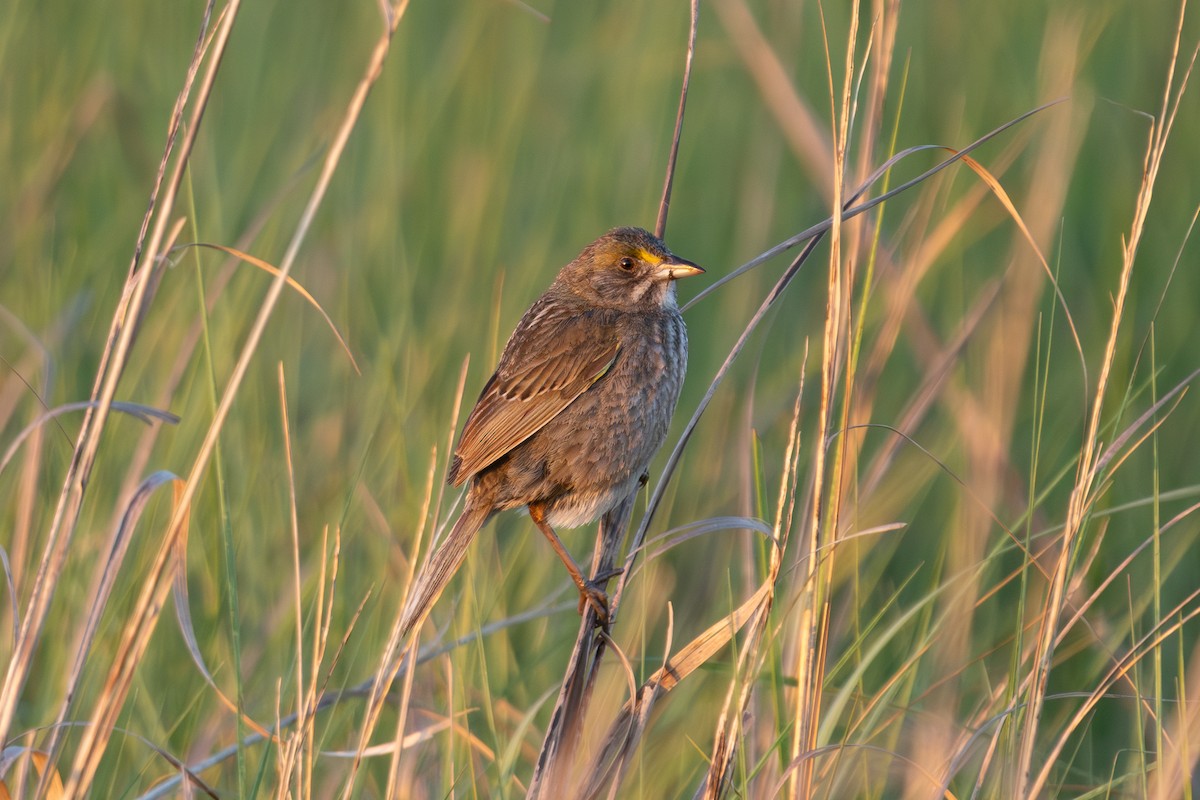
{"x": 579, "y": 404}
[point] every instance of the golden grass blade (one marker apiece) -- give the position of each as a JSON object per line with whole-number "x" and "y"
{"x": 419, "y": 736}
{"x": 271, "y": 269}
{"x": 306, "y": 714}
{"x": 290, "y": 752}
{"x": 810, "y": 630}
{"x": 998, "y": 190}
{"x": 22, "y": 756}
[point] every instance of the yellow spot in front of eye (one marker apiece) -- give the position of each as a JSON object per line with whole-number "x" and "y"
{"x": 648, "y": 257}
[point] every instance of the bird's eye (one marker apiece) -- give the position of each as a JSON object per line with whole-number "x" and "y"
{"x": 626, "y": 263}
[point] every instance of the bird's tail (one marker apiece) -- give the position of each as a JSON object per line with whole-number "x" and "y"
{"x": 446, "y": 560}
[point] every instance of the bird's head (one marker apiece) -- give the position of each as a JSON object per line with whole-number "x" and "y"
{"x": 626, "y": 268}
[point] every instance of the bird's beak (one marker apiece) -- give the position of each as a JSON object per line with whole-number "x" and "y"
{"x": 675, "y": 268}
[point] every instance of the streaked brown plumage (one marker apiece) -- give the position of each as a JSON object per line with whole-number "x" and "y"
{"x": 578, "y": 405}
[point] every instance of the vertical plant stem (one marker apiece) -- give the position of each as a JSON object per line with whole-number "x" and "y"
{"x": 228, "y": 550}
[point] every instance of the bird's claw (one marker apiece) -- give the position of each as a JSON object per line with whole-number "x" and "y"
{"x": 592, "y": 594}
{"x": 598, "y": 600}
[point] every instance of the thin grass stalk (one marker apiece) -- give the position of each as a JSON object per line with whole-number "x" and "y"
{"x": 660, "y": 225}
{"x": 1157, "y": 564}
{"x": 228, "y": 568}
{"x": 330, "y": 565}
{"x": 289, "y": 760}
{"x": 859, "y": 397}
{"x": 810, "y": 631}
{"x": 873, "y": 121}
{"x": 409, "y": 653}
{"x": 1173, "y": 775}
{"x": 885, "y": 16}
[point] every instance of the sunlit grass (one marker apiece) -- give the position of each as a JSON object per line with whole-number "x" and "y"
{"x": 997, "y": 592}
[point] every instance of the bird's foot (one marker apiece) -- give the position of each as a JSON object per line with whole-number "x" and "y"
{"x": 595, "y": 597}
{"x": 592, "y": 593}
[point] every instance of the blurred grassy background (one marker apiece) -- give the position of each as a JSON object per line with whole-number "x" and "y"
{"x": 500, "y": 140}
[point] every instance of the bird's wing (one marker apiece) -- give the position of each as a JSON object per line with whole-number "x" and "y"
{"x": 550, "y": 360}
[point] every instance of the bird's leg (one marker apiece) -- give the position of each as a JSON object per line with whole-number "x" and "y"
{"x": 590, "y": 592}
